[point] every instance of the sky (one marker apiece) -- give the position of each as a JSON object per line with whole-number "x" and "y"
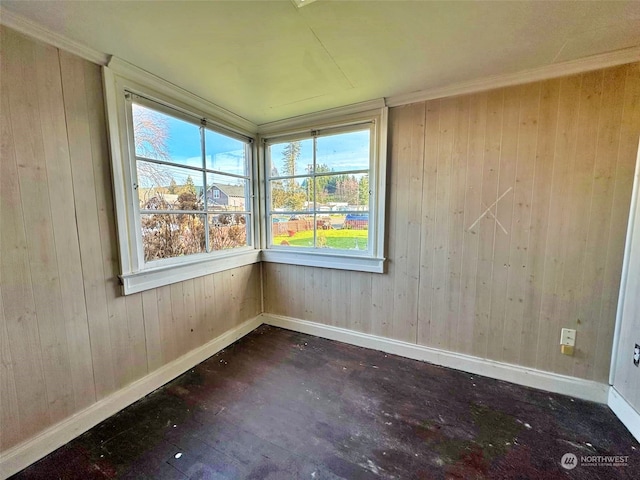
{"x": 342, "y": 152}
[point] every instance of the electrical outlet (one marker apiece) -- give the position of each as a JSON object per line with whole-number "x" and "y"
{"x": 568, "y": 337}
{"x": 636, "y": 355}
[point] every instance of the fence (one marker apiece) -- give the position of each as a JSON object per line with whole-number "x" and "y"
{"x": 290, "y": 227}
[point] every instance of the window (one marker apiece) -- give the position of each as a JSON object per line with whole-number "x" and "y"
{"x": 186, "y": 192}
{"x": 183, "y": 183}
{"x": 324, "y": 193}
{"x": 178, "y": 163}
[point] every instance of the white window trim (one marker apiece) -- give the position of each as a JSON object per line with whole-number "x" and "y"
{"x": 120, "y": 77}
{"x": 372, "y": 261}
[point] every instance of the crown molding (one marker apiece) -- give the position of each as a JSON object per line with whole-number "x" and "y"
{"x": 32, "y": 29}
{"x": 595, "y": 62}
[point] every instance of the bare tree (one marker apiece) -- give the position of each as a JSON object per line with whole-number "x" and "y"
{"x": 151, "y": 134}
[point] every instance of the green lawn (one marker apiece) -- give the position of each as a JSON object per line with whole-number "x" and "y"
{"x": 342, "y": 239}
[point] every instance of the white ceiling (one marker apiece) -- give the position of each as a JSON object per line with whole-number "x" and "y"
{"x": 269, "y": 60}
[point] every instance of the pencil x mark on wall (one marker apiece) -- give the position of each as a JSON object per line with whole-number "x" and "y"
{"x": 489, "y": 211}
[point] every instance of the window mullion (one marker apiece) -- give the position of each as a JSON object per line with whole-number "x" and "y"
{"x": 204, "y": 188}
{"x": 313, "y": 190}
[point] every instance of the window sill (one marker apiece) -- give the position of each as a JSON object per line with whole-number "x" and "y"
{"x": 325, "y": 260}
{"x": 161, "y": 276}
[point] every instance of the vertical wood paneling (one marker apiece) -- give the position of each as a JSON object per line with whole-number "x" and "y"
{"x": 456, "y": 225}
{"x": 220, "y": 299}
{"x": 410, "y": 275}
{"x": 440, "y": 255}
{"x": 563, "y": 151}
{"x": 341, "y": 309}
{"x": 209, "y": 306}
{"x": 9, "y": 413}
{"x": 17, "y": 291}
{"x": 542, "y": 181}
{"x": 86, "y": 208}
{"x": 67, "y": 336}
{"x": 404, "y": 317}
{"x": 32, "y": 175}
{"x": 381, "y": 285}
{"x": 486, "y": 225}
{"x": 427, "y": 233}
{"x": 597, "y": 238}
{"x": 153, "y": 339}
{"x": 557, "y": 235}
{"x": 576, "y": 210}
{"x": 518, "y": 270}
{"x": 190, "y": 318}
{"x": 58, "y": 169}
{"x": 229, "y": 296}
{"x": 472, "y": 210}
{"x": 504, "y": 213}
{"x": 200, "y": 321}
{"x": 137, "y": 337}
{"x": 177, "y": 323}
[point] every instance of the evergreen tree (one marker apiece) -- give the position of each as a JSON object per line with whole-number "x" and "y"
{"x": 363, "y": 190}
{"x": 188, "y": 187}
{"x": 290, "y": 156}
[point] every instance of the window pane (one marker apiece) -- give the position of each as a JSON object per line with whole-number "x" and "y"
{"x": 165, "y": 187}
{"x": 162, "y": 137}
{"x": 291, "y": 158}
{"x": 229, "y": 230}
{"x": 172, "y": 235}
{"x": 292, "y": 230}
{"x": 343, "y": 152}
{"x": 292, "y": 195}
{"x": 227, "y": 193}
{"x": 225, "y": 154}
{"x": 338, "y": 193}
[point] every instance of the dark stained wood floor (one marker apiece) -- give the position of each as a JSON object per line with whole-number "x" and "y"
{"x": 282, "y": 405}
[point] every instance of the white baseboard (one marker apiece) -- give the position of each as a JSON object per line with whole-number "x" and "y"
{"x": 24, "y": 454}
{"x": 551, "y": 382}
{"x": 628, "y": 415}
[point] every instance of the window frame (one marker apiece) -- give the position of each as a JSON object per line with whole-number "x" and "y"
{"x": 135, "y": 274}
{"x": 336, "y": 120}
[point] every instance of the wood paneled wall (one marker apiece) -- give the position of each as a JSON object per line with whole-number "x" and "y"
{"x": 67, "y": 337}
{"x": 559, "y": 155}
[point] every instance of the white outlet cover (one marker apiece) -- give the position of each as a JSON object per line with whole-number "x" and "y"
{"x": 568, "y": 337}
